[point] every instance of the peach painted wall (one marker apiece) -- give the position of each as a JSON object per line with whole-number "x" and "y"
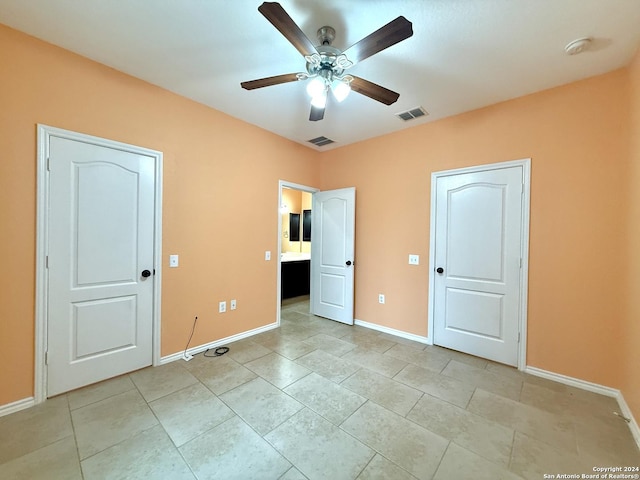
{"x": 214, "y": 169}
{"x": 577, "y": 137}
{"x": 631, "y": 327}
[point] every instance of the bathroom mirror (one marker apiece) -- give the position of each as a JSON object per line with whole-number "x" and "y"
{"x": 294, "y": 227}
{"x": 306, "y": 225}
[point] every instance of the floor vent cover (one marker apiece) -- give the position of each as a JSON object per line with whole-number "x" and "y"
{"x": 411, "y": 114}
{"x": 321, "y": 141}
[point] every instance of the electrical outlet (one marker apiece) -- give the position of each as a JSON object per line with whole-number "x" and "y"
{"x": 381, "y": 298}
{"x": 232, "y": 304}
{"x": 222, "y": 307}
{"x": 414, "y": 259}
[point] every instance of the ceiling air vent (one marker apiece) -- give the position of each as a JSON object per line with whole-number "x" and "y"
{"x": 411, "y": 114}
{"x": 321, "y": 141}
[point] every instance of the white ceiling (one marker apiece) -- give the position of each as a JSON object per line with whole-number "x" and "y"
{"x": 464, "y": 54}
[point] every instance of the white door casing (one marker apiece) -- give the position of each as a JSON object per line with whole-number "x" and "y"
{"x": 100, "y": 313}
{"x": 479, "y": 245}
{"x": 332, "y": 254}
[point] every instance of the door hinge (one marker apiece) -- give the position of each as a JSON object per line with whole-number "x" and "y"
{"x": 46, "y": 358}
{"x": 48, "y": 164}
{"x": 46, "y": 261}
{"x": 520, "y": 262}
{"x": 518, "y": 337}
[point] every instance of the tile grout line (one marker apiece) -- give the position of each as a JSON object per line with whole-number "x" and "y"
{"x": 167, "y": 433}
{"x": 75, "y": 438}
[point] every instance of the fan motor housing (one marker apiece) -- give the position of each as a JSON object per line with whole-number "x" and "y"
{"x": 328, "y": 54}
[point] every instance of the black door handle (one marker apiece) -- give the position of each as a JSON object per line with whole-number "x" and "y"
{"x": 146, "y": 273}
{"x": 348, "y": 263}
{"x": 440, "y": 270}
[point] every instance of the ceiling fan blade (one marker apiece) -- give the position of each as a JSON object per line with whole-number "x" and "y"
{"x": 316, "y": 114}
{"x": 375, "y": 91}
{"x": 280, "y": 19}
{"x": 268, "y": 81}
{"x": 392, "y": 33}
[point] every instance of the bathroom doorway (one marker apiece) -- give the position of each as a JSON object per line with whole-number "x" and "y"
{"x": 331, "y": 248}
{"x": 294, "y": 242}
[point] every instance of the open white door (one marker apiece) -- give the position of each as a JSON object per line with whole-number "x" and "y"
{"x": 100, "y": 263}
{"x": 478, "y": 260}
{"x": 332, "y": 254}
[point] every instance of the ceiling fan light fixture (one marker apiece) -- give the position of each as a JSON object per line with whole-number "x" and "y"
{"x": 326, "y": 64}
{"x": 340, "y": 89}
{"x": 319, "y": 100}
{"x": 316, "y": 87}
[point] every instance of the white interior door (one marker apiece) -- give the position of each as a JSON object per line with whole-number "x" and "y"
{"x": 477, "y": 260}
{"x": 332, "y": 254}
{"x": 100, "y": 257}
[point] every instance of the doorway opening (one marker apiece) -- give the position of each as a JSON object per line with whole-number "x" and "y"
{"x": 295, "y": 207}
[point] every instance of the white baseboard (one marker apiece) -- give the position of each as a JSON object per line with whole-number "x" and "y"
{"x": 393, "y": 331}
{"x": 592, "y": 387}
{"x": 14, "y": 407}
{"x": 218, "y": 343}
{"x": 573, "y": 382}
{"x": 626, "y": 411}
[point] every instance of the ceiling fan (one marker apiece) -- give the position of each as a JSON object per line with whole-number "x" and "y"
{"x": 326, "y": 65}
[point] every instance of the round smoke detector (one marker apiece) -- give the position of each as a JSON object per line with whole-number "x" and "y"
{"x": 577, "y": 46}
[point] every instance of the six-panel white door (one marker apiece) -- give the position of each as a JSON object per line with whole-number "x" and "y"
{"x": 101, "y": 240}
{"x": 478, "y": 260}
{"x": 332, "y": 254}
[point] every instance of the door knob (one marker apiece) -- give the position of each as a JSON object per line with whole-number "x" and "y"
{"x": 348, "y": 263}
{"x": 440, "y": 270}
{"x": 146, "y": 273}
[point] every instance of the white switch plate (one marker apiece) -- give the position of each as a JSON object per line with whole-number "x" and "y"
{"x": 267, "y": 255}
{"x": 232, "y": 304}
{"x": 173, "y": 261}
{"x": 414, "y": 259}
{"x": 381, "y": 298}
{"x": 222, "y": 307}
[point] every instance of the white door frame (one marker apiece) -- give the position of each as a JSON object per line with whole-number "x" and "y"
{"x": 524, "y": 246}
{"x": 294, "y": 186}
{"x": 42, "y": 242}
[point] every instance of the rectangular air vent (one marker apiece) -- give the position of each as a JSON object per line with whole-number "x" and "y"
{"x": 411, "y": 114}
{"x": 320, "y": 141}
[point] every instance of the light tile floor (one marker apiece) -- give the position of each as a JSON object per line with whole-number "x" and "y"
{"x": 315, "y": 399}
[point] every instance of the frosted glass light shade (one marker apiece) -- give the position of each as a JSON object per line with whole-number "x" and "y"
{"x": 315, "y": 87}
{"x": 319, "y": 100}
{"x": 340, "y": 90}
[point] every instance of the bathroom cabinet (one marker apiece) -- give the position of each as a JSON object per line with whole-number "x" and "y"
{"x": 295, "y": 278}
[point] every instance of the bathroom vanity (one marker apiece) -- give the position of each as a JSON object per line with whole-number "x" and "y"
{"x": 295, "y": 274}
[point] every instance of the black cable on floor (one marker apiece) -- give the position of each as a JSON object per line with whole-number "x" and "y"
{"x": 217, "y": 352}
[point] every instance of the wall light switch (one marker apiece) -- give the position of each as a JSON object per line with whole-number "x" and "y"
{"x": 222, "y": 307}
{"x": 173, "y": 261}
{"x": 414, "y": 259}
{"x": 381, "y": 298}
{"x": 267, "y": 255}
